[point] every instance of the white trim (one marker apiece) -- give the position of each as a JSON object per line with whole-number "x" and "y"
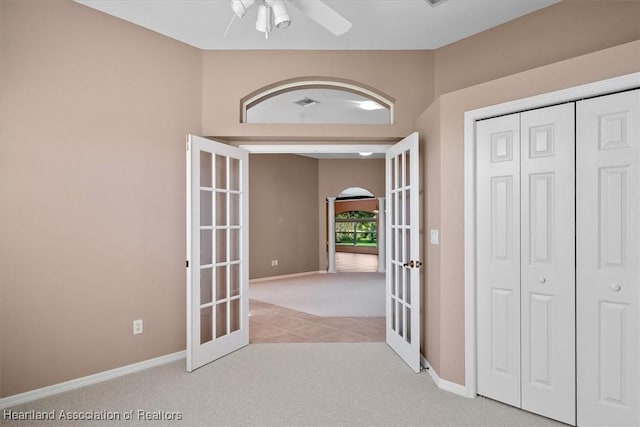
{"x": 29, "y": 396}
{"x": 444, "y": 384}
{"x": 285, "y": 276}
{"x": 603, "y": 87}
{"x": 315, "y": 148}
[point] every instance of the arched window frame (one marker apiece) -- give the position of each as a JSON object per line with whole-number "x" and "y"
{"x": 284, "y": 86}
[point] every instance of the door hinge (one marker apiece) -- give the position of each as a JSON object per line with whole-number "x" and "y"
{"x": 187, "y": 263}
{"x": 187, "y": 145}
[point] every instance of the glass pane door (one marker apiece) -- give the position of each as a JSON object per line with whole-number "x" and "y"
{"x": 403, "y": 251}
{"x": 217, "y": 300}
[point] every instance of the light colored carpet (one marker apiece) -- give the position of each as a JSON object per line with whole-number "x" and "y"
{"x": 335, "y": 295}
{"x": 285, "y": 385}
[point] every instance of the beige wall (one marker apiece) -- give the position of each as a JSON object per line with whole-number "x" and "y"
{"x": 228, "y": 76}
{"x": 565, "y": 30}
{"x": 612, "y": 62}
{"x": 337, "y": 175}
{"x": 428, "y": 127}
{"x": 283, "y": 214}
{"x": 93, "y": 117}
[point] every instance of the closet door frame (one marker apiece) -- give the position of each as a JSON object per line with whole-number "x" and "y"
{"x": 603, "y": 87}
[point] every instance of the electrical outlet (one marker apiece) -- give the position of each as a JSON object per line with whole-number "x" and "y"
{"x": 137, "y": 327}
{"x": 274, "y": 262}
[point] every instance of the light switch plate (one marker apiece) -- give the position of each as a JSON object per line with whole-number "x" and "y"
{"x": 434, "y": 237}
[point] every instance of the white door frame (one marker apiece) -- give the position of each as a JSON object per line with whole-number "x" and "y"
{"x": 615, "y": 84}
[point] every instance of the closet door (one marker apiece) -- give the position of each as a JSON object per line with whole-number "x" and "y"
{"x": 608, "y": 259}
{"x": 498, "y": 258}
{"x": 548, "y": 262}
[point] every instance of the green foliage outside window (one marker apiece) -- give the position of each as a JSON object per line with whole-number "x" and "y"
{"x": 357, "y": 228}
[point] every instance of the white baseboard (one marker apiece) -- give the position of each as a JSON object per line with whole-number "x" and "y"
{"x": 444, "y": 384}
{"x": 29, "y": 396}
{"x": 286, "y": 276}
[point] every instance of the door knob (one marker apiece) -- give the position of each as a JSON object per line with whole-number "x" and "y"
{"x": 542, "y": 279}
{"x": 615, "y": 287}
{"x": 408, "y": 264}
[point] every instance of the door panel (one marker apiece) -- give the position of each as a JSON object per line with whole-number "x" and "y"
{"x": 403, "y": 250}
{"x": 608, "y": 259}
{"x": 217, "y": 250}
{"x": 548, "y": 261}
{"x": 498, "y": 258}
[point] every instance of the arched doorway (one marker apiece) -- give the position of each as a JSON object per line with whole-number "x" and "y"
{"x": 355, "y": 231}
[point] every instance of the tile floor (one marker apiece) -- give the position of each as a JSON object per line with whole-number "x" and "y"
{"x": 274, "y": 324}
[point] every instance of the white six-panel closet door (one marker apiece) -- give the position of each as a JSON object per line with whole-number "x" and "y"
{"x": 525, "y": 260}
{"x": 498, "y": 258}
{"x": 608, "y": 259}
{"x": 548, "y": 262}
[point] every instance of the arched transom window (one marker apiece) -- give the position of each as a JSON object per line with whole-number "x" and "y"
{"x": 317, "y": 101}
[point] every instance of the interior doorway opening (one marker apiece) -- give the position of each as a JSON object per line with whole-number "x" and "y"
{"x": 306, "y": 304}
{"x": 357, "y": 230}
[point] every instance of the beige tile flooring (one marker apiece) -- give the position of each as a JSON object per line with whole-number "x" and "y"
{"x": 270, "y": 323}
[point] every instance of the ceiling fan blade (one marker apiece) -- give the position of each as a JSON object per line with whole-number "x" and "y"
{"x": 324, "y": 15}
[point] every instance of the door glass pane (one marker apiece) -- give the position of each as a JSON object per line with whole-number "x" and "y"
{"x": 221, "y": 208}
{"x": 234, "y": 174}
{"x": 234, "y": 280}
{"x": 400, "y": 318}
{"x": 221, "y": 172}
{"x": 234, "y": 315}
{"x": 221, "y": 283}
{"x": 205, "y": 169}
{"x": 205, "y": 247}
{"x": 234, "y": 245}
{"x": 234, "y": 209}
{"x": 221, "y": 319}
{"x": 407, "y": 245}
{"x": 407, "y": 286}
{"x": 400, "y": 206}
{"x": 400, "y": 274}
{"x": 407, "y": 168}
{"x": 392, "y": 208}
{"x": 392, "y": 245}
{"x": 206, "y": 285}
{"x": 221, "y": 246}
{"x": 206, "y": 327}
{"x": 407, "y": 207}
{"x": 206, "y": 214}
{"x": 393, "y": 314}
{"x": 392, "y": 172}
{"x": 407, "y": 317}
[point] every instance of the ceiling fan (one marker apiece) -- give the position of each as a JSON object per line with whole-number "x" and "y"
{"x": 275, "y": 12}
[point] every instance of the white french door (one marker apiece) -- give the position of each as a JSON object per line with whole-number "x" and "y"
{"x": 608, "y": 294}
{"x": 403, "y": 250}
{"x": 217, "y": 250}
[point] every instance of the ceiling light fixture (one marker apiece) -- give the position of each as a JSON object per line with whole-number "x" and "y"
{"x": 269, "y": 11}
{"x": 365, "y": 153}
{"x": 263, "y": 22}
{"x": 369, "y": 105}
{"x": 240, "y": 6}
{"x": 281, "y": 16}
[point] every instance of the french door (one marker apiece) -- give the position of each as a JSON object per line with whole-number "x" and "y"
{"x": 403, "y": 251}
{"x": 217, "y": 250}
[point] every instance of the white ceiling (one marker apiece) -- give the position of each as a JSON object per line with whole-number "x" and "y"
{"x": 377, "y": 25}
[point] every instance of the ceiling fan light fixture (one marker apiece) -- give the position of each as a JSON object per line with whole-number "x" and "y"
{"x": 281, "y": 16}
{"x": 240, "y": 7}
{"x": 263, "y": 22}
